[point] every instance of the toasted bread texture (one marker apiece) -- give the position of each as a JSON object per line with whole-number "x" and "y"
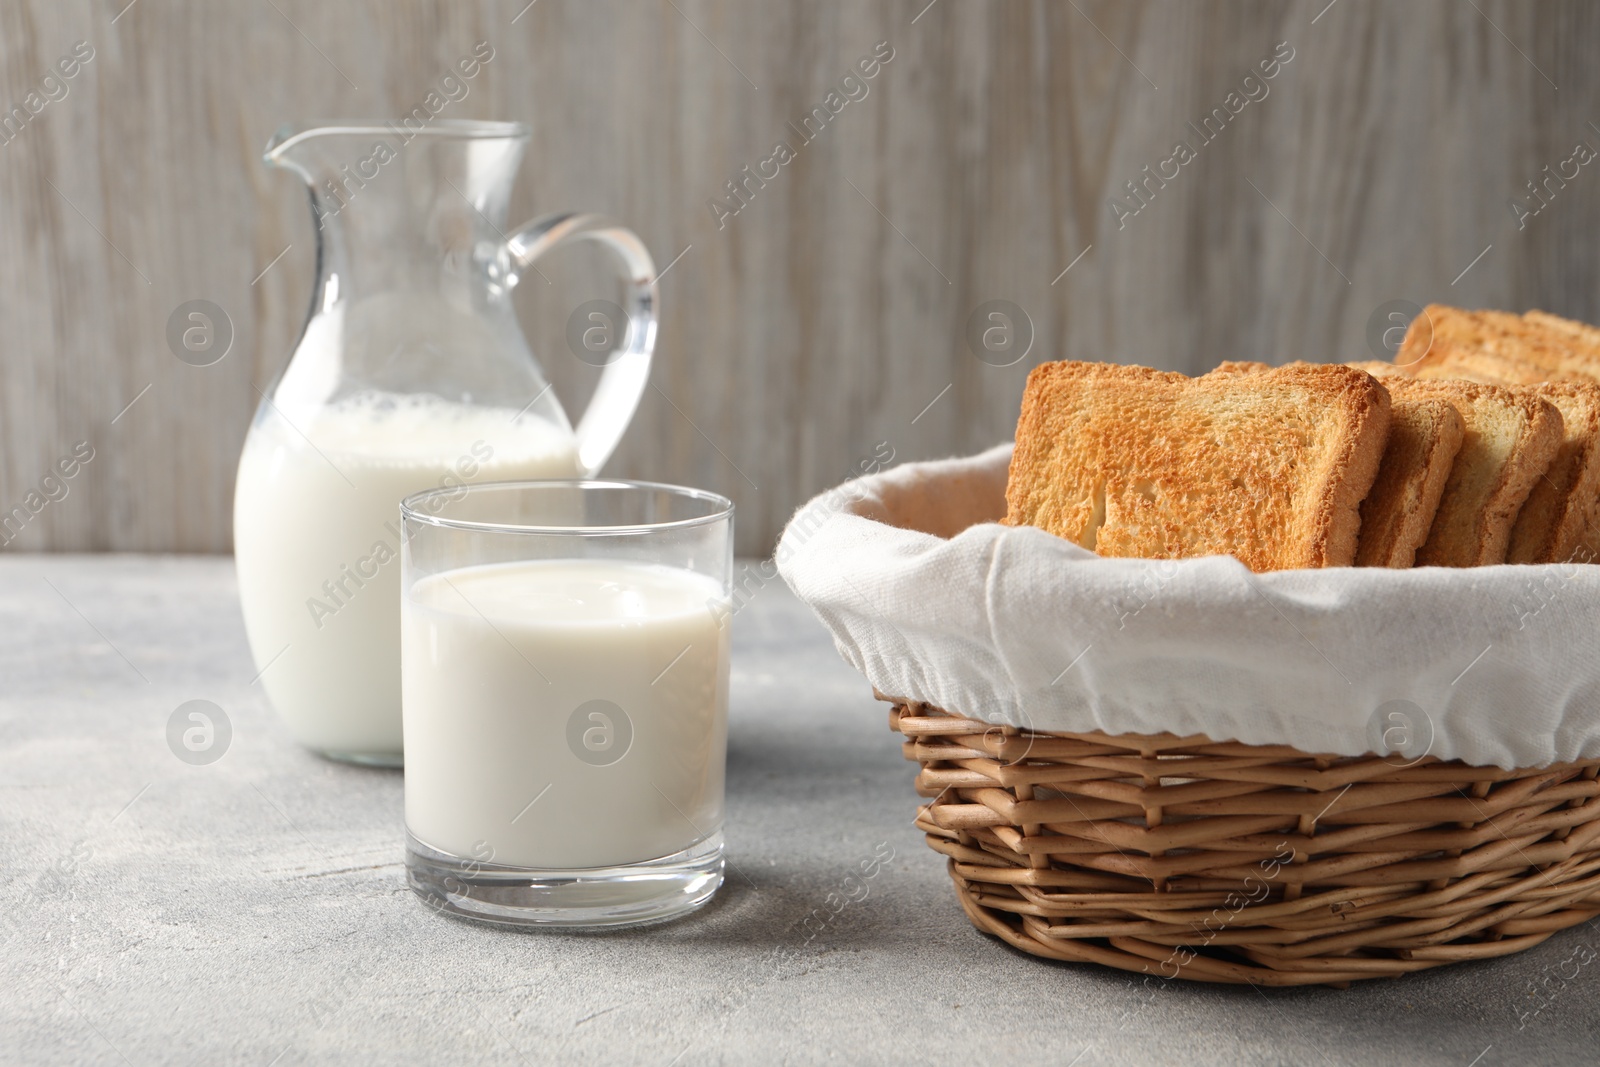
{"x": 1451, "y": 360}
{"x": 1556, "y": 515}
{"x": 1376, "y": 368}
{"x": 1582, "y": 359}
{"x": 1581, "y": 340}
{"x": 1510, "y": 437}
{"x": 1442, "y": 332}
{"x": 1588, "y": 550}
{"x": 1398, "y": 512}
{"x": 1241, "y": 366}
{"x": 1424, "y": 438}
{"x": 1499, "y": 348}
{"x": 1534, "y": 347}
{"x": 1270, "y": 466}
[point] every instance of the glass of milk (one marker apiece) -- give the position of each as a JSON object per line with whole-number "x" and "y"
{"x": 564, "y": 694}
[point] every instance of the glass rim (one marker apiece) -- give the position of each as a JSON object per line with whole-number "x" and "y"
{"x": 723, "y": 507}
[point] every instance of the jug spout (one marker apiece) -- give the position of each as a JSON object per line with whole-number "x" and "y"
{"x": 344, "y": 163}
{"x": 404, "y": 206}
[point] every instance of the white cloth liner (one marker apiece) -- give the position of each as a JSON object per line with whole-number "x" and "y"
{"x": 933, "y": 600}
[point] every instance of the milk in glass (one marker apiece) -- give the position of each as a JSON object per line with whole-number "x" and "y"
{"x": 565, "y": 714}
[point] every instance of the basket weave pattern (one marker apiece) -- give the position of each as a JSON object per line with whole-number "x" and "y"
{"x": 1227, "y": 862}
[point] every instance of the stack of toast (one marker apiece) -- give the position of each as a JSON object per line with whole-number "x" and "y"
{"x": 1479, "y": 444}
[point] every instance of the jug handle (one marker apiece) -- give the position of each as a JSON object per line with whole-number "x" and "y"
{"x": 627, "y": 370}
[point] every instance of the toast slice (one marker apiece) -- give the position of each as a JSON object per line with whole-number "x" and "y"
{"x": 1504, "y": 349}
{"x": 1444, "y": 334}
{"x": 1424, "y": 437}
{"x": 1450, "y": 360}
{"x": 1583, "y": 358}
{"x": 1269, "y": 466}
{"x": 1510, "y": 438}
{"x": 1581, "y": 348}
{"x": 1541, "y": 345}
{"x": 1582, "y": 341}
{"x": 1556, "y": 516}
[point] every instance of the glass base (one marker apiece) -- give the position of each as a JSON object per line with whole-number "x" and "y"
{"x": 365, "y": 759}
{"x": 637, "y": 894}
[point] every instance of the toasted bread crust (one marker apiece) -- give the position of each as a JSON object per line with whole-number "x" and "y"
{"x": 1500, "y": 348}
{"x": 1580, "y": 341}
{"x": 1442, "y": 334}
{"x": 1424, "y": 438}
{"x": 1243, "y": 366}
{"x": 1534, "y": 347}
{"x": 1588, "y": 550}
{"x": 1511, "y": 436}
{"x": 1450, "y": 360}
{"x": 1269, "y": 466}
{"x": 1556, "y": 514}
{"x": 1581, "y": 347}
{"x": 1376, "y": 368}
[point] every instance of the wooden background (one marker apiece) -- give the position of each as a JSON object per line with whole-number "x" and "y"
{"x": 829, "y": 314}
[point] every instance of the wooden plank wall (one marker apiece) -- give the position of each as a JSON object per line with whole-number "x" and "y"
{"x": 833, "y": 310}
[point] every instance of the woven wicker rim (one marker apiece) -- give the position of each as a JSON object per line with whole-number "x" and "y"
{"x": 1225, "y": 862}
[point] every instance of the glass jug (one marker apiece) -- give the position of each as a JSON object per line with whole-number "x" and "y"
{"x": 411, "y": 373}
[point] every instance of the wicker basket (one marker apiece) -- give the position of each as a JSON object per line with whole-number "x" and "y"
{"x": 1227, "y": 862}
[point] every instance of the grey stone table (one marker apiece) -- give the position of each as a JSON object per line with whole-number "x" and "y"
{"x": 254, "y": 911}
